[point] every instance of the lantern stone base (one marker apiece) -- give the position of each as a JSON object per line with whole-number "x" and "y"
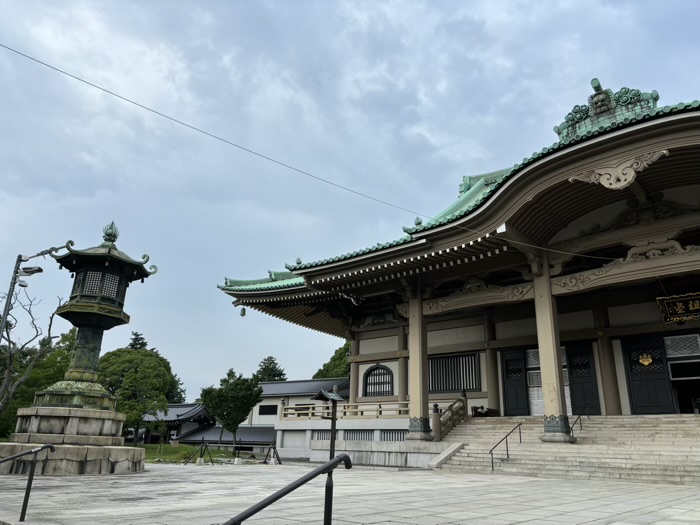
{"x": 76, "y": 394}
{"x": 87, "y": 442}
{"x": 73, "y": 460}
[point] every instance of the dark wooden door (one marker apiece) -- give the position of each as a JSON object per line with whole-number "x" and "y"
{"x": 515, "y": 383}
{"x": 583, "y": 385}
{"x": 647, "y": 373}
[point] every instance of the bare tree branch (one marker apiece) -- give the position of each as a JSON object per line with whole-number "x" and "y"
{"x": 12, "y": 378}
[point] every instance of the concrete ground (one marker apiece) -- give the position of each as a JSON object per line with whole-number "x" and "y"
{"x": 209, "y": 495}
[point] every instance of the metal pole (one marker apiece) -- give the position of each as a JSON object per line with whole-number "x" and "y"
{"x": 334, "y": 413}
{"x": 328, "y": 506}
{"x": 507, "y": 453}
{"x": 520, "y": 433}
{"x": 8, "y": 299}
{"x": 30, "y": 479}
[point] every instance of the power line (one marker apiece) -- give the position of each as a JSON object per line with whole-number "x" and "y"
{"x": 275, "y": 161}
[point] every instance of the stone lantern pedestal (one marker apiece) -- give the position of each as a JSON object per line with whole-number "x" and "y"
{"x": 78, "y": 415}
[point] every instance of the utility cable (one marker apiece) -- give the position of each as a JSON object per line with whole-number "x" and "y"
{"x": 283, "y": 164}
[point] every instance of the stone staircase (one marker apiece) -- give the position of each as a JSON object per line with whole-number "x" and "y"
{"x": 656, "y": 449}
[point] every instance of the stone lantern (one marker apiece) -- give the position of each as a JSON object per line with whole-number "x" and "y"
{"x": 78, "y": 411}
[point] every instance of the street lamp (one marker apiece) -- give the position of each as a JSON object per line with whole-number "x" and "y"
{"x": 18, "y": 272}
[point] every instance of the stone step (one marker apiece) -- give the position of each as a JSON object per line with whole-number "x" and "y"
{"x": 627, "y": 476}
{"x": 687, "y": 466}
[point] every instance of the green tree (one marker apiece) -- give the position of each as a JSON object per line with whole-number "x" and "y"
{"x": 138, "y": 342}
{"x": 49, "y": 369}
{"x": 140, "y": 380}
{"x": 176, "y": 391}
{"x": 232, "y": 401}
{"x": 337, "y": 365}
{"x": 270, "y": 370}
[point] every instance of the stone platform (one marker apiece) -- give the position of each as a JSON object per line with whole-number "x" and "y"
{"x": 73, "y": 460}
{"x": 87, "y": 441}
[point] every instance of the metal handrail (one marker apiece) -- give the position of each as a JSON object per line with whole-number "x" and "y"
{"x": 326, "y": 468}
{"x": 578, "y": 420}
{"x": 505, "y": 438}
{"x": 30, "y": 479}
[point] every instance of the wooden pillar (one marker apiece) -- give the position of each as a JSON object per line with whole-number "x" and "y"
{"x": 403, "y": 366}
{"x": 419, "y": 424}
{"x": 608, "y": 373}
{"x": 354, "y": 370}
{"x": 556, "y": 420}
{"x": 493, "y": 388}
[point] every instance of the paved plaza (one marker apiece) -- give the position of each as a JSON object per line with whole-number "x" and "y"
{"x": 209, "y": 495}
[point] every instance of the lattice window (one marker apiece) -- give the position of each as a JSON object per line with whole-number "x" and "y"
{"x": 513, "y": 369}
{"x": 532, "y": 358}
{"x": 579, "y": 366}
{"x": 534, "y": 378}
{"x": 359, "y": 435}
{"x": 110, "y": 286}
{"x": 392, "y": 435}
{"x": 92, "y": 283}
{"x": 639, "y": 357}
{"x": 453, "y": 373}
{"x": 322, "y": 435}
{"x": 378, "y": 381}
{"x": 682, "y": 345}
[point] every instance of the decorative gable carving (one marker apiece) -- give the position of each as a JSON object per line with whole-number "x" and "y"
{"x": 621, "y": 175}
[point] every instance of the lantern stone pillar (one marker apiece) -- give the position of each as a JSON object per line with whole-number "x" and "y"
{"x": 419, "y": 423}
{"x": 556, "y": 419}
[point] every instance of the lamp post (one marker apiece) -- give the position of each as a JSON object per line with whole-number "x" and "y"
{"x": 18, "y": 272}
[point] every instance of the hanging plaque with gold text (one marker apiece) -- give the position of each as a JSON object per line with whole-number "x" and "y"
{"x": 676, "y": 308}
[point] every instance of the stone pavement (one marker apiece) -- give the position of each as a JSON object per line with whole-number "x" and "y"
{"x": 209, "y": 495}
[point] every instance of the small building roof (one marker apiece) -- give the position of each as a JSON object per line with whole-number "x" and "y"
{"x": 255, "y": 434}
{"x": 304, "y": 387}
{"x": 180, "y": 413}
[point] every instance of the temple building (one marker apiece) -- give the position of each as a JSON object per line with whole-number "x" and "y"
{"x": 567, "y": 283}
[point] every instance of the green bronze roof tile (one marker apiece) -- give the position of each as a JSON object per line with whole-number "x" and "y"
{"x": 377, "y": 247}
{"x": 275, "y": 281}
{"x": 605, "y": 112}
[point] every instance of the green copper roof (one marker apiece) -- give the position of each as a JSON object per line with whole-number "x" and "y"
{"x": 71, "y": 260}
{"x": 275, "y": 281}
{"x": 605, "y": 112}
{"x": 379, "y": 246}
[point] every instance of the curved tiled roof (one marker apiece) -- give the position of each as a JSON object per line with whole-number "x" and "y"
{"x": 626, "y": 108}
{"x": 276, "y": 280}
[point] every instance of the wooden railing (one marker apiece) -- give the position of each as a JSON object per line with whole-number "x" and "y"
{"x": 391, "y": 409}
{"x": 450, "y": 417}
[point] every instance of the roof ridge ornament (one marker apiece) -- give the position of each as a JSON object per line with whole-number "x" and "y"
{"x": 110, "y": 233}
{"x": 605, "y": 108}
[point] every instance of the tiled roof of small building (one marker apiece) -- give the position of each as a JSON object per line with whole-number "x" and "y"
{"x": 179, "y": 412}
{"x": 303, "y": 387}
{"x": 605, "y": 112}
{"x": 255, "y": 434}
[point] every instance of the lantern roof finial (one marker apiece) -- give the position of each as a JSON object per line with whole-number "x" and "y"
{"x": 110, "y": 232}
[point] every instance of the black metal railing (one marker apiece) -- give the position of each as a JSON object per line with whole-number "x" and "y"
{"x": 505, "y": 438}
{"x": 30, "y": 479}
{"x": 578, "y": 420}
{"x": 326, "y": 468}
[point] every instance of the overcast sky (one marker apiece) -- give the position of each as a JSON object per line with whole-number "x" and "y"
{"x": 399, "y": 100}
